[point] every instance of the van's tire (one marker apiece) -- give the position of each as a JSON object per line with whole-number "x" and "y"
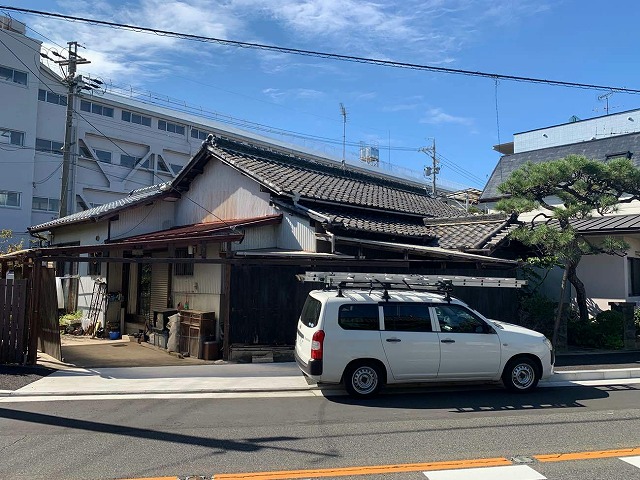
{"x": 363, "y": 379}
{"x": 521, "y": 375}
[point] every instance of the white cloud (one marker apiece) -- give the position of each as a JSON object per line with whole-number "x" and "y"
{"x": 132, "y": 56}
{"x": 436, "y": 116}
{"x": 294, "y": 93}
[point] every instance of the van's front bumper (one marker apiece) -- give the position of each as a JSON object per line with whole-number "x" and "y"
{"x": 312, "y": 369}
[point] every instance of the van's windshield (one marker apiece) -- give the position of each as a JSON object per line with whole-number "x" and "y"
{"x": 310, "y": 312}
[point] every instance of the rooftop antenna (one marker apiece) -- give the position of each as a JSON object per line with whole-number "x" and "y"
{"x": 343, "y": 112}
{"x": 605, "y": 97}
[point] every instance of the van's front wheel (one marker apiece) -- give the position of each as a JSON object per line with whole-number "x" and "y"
{"x": 363, "y": 379}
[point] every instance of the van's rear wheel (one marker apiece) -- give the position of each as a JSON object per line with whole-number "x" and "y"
{"x": 363, "y": 379}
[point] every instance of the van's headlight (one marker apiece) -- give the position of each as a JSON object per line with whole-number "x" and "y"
{"x": 547, "y": 342}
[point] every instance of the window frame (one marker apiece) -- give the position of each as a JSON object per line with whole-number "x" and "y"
{"x": 350, "y": 327}
{"x": 426, "y": 311}
{"x": 96, "y": 108}
{"x": 53, "y": 204}
{"x": 50, "y": 149}
{"x": 183, "y": 269}
{"x": 10, "y": 136}
{"x": 171, "y": 127}
{"x": 7, "y": 193}
{"x": 95, "y": 152}
{"x": 13, "y": 76}
{"x": 143, "y": 120}
{"x": 487, "y": 328}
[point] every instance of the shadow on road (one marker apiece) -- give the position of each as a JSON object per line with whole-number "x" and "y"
{"x": 245, "y": 445}
{"x": 481, "y": 399}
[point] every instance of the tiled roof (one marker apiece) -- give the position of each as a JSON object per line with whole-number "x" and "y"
{"x": 593, "y": 149}
{"x": 328, "y": 182}
{"x": 470, "y": 232}
{"x": 135, "y": 197}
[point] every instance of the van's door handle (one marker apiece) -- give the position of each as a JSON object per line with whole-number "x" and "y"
{"x": 393, "y": 340}
{"x": 447, "y": 340}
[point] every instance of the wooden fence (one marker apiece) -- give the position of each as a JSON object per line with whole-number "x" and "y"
{"x": 14, "y": 328}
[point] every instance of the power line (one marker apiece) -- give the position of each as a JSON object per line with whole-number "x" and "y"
{"x": 333, "y": 56}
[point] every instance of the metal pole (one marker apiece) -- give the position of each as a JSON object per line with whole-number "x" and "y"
{"x": 433, "y": 156}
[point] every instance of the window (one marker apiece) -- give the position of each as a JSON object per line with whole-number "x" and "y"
{"x": 407, "y": 317}
{"x": 634, "y": 277}
{"x": 11, "y": 137}
{"x": 102, "y": 155}
{"x": 171, "y": 127}
{"x": 162, "y": 166}
{"x": 94, "y": 268}
{"x": 457, "y": 319}
{"x": 10, "y": 199}
{"x": 176, "y": 168}
{"x": 148, "y": 163}
{"x": 52, "y": 97}
{"x": 310, "y": 312}
{"x": 49, "y": 146}
{"x": 199, "y": 134}
{"x": 84, "y": 150}
{"x": 11, "y": 75}
{"x": 185, "y": 269}
{"x": 128, "y": 160}
{"x": 96, "y": 108}
{"x": 45, "y": 204}
{"x": 359, "y": 316}
{"x": 136, "y": 118}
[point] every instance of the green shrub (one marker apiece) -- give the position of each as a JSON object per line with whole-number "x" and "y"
{"x": 537, "y": 312}
{"x": 604, "y": 331}
{"x": 70, "y": 318}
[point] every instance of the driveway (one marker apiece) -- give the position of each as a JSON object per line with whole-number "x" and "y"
{"x": 86, "y": 352}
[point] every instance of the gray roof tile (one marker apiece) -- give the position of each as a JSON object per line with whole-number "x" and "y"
{"x": 135, "y": 197}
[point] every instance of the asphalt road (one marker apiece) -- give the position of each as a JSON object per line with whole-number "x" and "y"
{"x": 147, "y": 438}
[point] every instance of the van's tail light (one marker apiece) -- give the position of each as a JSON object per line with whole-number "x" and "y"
{"x": 316, "y": 345}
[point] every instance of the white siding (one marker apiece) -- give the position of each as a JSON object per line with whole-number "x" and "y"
{"x": 296, "y": 233}
{"x": 145, "y": 219}
{"x": 585, "y": 130}
{"x": 256, "y": 238}
{"x": 224, "y": 193}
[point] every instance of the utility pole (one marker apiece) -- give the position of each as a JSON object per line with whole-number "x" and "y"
{"x": 433, "y": 170}
{"x": 66, "y": 187}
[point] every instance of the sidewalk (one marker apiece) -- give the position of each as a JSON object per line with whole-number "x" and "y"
{"x": 259, "y": 378}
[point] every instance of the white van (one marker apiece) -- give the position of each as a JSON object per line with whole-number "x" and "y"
{"x": 368, "y": 338}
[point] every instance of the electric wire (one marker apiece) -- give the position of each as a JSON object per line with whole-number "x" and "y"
{"x": 318, "y": 54}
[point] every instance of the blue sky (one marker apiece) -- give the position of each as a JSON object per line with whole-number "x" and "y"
{"x": 400, "y": 110}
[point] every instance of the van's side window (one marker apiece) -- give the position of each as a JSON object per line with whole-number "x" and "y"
{"x": 407, "y": 317}
{"x": 359, "y": 317}
{"x": 457, "y": 319}
{"x": 310, "y": 312}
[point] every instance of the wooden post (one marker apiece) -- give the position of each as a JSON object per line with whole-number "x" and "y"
{"x": 225, "y": 309}
{"x": 34, "y": 312}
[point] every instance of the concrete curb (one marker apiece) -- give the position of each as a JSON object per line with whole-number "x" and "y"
{"x": 16, "y": 393}
{"x": 603, "y": 374}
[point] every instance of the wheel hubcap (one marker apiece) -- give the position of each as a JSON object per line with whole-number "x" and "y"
{"x": 364, "y": 380}
{"x": 523, "y": 375}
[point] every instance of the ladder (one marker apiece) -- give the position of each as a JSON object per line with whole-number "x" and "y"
{"x": 98, "y": 305}
{"x": 389, "y": 280}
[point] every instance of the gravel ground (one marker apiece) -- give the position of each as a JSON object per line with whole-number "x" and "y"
{"x": 15, "y": 377}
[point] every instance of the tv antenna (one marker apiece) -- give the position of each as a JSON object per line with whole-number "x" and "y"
{"x": 605, "y": 97}
{"x": 343, "y": 112}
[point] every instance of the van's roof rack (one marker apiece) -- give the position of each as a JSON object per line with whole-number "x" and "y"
{"x": 435, "y": 283}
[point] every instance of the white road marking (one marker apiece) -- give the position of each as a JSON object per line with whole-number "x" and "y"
{"x": 511, "y": 472}
{"x": 635, "y": 461}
